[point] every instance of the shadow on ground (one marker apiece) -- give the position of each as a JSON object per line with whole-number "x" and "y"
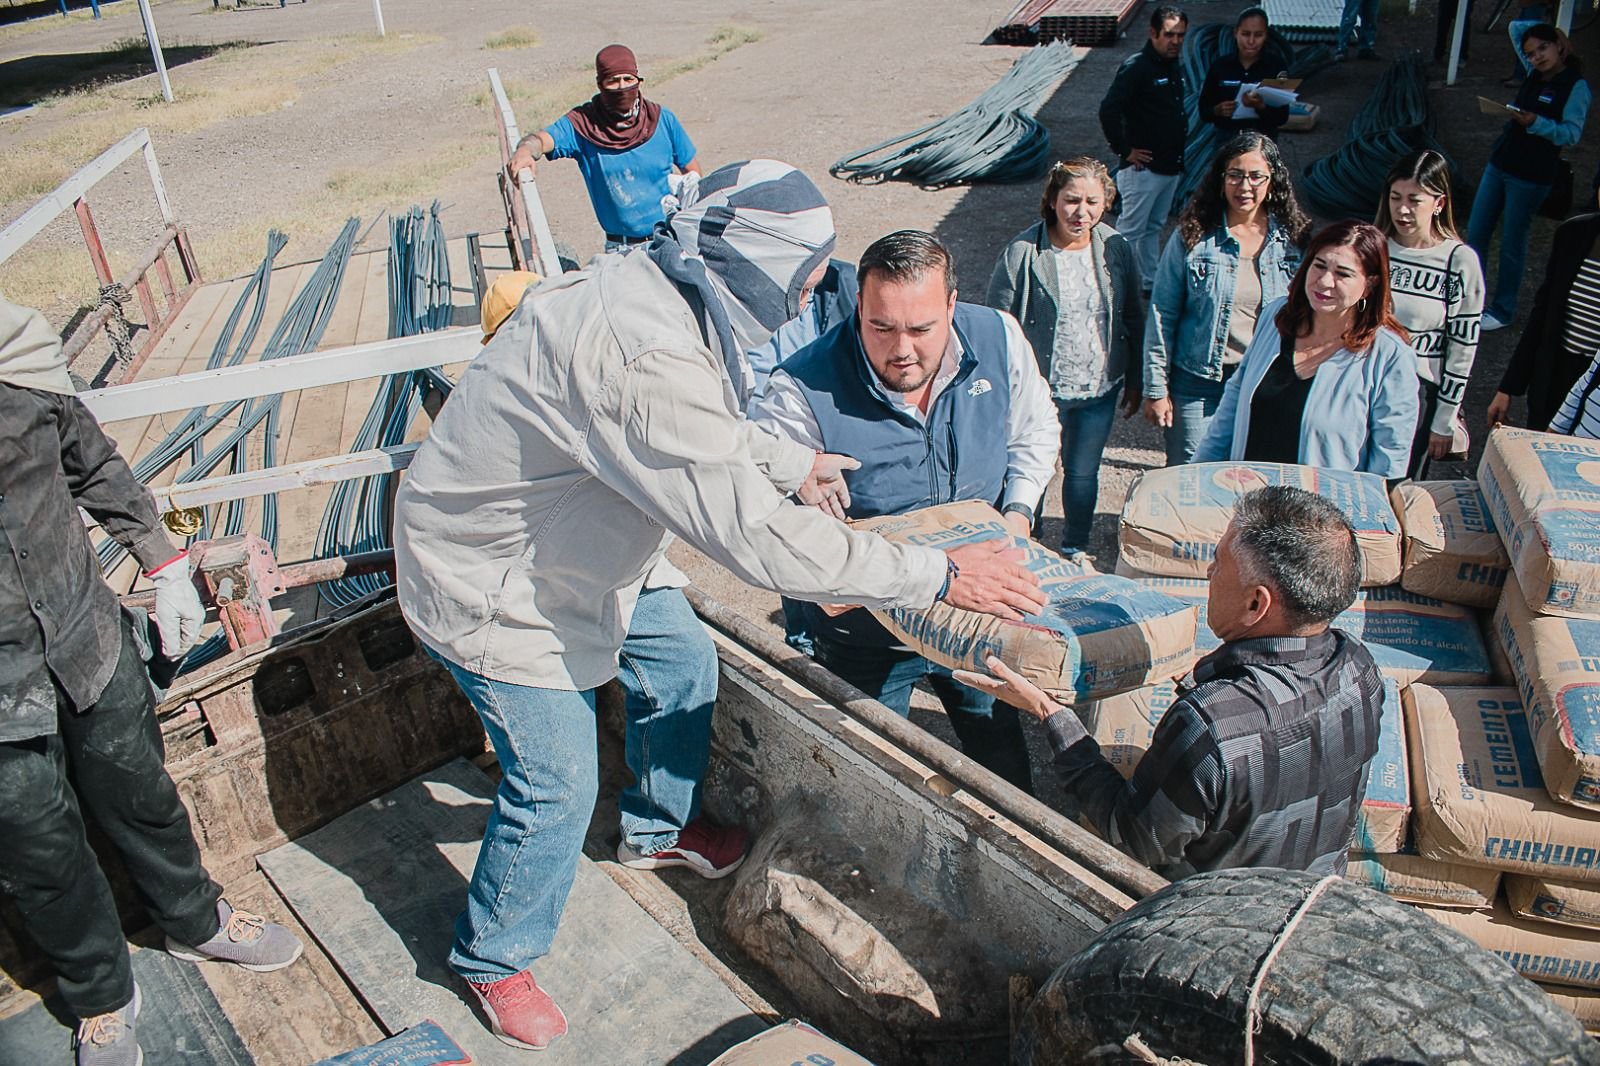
{"x": 30, "y": 79}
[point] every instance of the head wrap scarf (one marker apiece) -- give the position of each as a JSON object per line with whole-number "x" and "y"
{"x": 615, "y": 118}
{"x": 741, "y": 253}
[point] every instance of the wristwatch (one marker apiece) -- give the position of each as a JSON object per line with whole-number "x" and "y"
{"x": 1022, "y": 509}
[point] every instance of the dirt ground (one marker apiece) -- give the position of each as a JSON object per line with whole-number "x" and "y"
{"x": 300, "y": 116}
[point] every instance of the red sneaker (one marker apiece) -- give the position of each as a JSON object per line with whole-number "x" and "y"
{"x": 710, "y": 850}
{"x": 520, "y": 1012}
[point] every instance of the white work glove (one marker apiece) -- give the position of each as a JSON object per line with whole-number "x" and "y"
{"x": 179, "y": 613}
{"x": 824, "y": 487}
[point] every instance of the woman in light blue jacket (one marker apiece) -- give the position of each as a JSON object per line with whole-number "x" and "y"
{"x": 1330, "y": 379}
{"x": 1235, "y": 250}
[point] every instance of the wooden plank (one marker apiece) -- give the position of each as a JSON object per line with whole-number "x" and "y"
{"x": 380, "y": 888}
{"x": 300, "y": 1014}
{"x": 312, "y": 417}
{"x": 197, "y": 327}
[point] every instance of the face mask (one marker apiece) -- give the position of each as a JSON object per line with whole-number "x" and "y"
{"x": 623, "y": 103}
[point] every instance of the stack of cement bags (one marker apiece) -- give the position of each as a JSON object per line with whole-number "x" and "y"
{"x": 1483, "y": 804}
{"x": 1170, "y": 527}
{"x": 1507, "y": 780}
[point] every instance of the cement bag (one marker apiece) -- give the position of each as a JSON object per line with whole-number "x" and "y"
{"x": 1536, "y": 950}
{"x": 1451, "y": 548}
{"x": 1476, "y": 792}
{"x": 1124, "y": 726}
{"x": 792, "y": 1042}
{"x": 1411, "y": 637}
{"x": 1582, "y": 1004}
{"x": 1556, "y": 665}
{"x": 1414, "y": 879}
{"x": 1543, "y": 491}
{"x": 1544, "y": 899}
{"x": 1174, "y": 517}
{"x": 1098, "y": 636}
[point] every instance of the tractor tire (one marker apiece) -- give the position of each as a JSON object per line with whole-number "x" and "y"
{"x": 1362, "y": 979}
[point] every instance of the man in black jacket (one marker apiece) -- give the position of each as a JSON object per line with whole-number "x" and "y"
{"x": 78, "y": 731}
{"x": 1144, "y": 121}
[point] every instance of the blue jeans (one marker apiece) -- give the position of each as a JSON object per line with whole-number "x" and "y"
{"x": 1367, "y": 11}
{"x": 1085, "y": 428}
{"x": 1512, "y": 203}
{"x": 546, "y": 742}
{"x": 990, "y": 733}
{"x": 1194, "y": 401}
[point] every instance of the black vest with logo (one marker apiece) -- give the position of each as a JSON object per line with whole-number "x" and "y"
{"x": 1522, "y": 154}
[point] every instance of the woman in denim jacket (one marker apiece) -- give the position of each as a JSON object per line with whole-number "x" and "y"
{"x": 1073, "y": 283}
{"x": 1235, "y": 250}
{"x": 1330, "y": 379}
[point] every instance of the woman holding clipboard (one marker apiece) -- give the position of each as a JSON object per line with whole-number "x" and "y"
{"x": 1547, "y": 115}
{"x": 1250, "y": 65}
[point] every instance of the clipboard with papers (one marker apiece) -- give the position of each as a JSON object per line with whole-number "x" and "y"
{"x": 1274, "y": 92}
{"x": 1495, "y": 109}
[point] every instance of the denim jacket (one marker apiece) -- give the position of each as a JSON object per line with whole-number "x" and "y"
{"x": 1192, "y": 296}
{"x": 1024, "y": 284}
{"x": 1361, "y": 412}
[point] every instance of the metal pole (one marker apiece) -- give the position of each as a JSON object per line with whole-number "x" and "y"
{"x": 1456, "y": 34}
{"x": 155, "y": 49}
{"x": 1564, "y": 15}
{"x": 377, "y": 12}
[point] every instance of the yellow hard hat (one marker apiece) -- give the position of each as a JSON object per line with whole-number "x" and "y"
{"x": 502, "y": 298}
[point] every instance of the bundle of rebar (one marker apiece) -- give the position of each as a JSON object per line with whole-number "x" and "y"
{"x": 359, "y": 516}
{"x": 994, "y": 138}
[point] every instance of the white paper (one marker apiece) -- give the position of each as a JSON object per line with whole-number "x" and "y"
{"x": 1269, "y": 96}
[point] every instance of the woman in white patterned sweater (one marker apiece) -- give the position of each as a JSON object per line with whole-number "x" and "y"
{"x": 1437, "y": 285}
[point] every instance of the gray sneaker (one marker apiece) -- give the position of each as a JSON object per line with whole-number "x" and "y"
{"x": 246, "y": 939}
{"x": 108, "y": 1039}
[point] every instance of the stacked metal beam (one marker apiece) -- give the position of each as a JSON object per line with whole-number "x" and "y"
{"x": 1305, "y": 21}
{"x": 1083, "y": 22}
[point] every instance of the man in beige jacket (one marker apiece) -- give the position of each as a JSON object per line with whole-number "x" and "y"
{"x": 603, "y": 420}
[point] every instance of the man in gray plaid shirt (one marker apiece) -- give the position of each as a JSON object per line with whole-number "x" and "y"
{"x": 1262, "y": 760}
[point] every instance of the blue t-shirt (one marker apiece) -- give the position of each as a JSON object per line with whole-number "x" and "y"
{"x": 626, "y": 187}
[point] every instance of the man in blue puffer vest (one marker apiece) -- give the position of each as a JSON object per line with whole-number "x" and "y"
{"x": 939, "y": 401}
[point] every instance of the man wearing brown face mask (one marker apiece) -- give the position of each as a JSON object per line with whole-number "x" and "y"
{"x": 626, "y": 147}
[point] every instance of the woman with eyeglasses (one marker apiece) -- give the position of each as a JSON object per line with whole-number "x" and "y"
{"x": 1437, "y": 287}
{"x": 1235, "y": 250}
{"x": 1248, "y": 65}
{"x": 1547, "y": 115}
{"x": 1073, "y": 283}
{"x": 1330, "y": 379}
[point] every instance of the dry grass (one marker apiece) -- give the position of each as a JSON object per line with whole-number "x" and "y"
{"x": 543, "y": 102}
{"x": 236, "y": 82}
{"x": 515, "y": 37}
{"x": 724, "y": 40}
{"x": 51, "y": 278}
{"x": 351, "y": 192}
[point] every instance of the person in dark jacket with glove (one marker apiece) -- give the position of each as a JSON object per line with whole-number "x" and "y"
{"x": 1144, "y": 122}
{"x": 78, "y": 728}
